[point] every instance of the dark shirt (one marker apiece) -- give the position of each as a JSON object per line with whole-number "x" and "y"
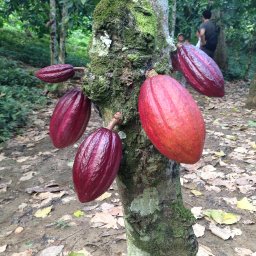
{"x": 211, "y": 35}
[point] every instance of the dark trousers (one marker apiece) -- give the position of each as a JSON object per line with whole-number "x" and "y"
{"x": 207, "y": 51}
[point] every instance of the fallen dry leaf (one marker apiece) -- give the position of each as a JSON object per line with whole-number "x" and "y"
{"x": 51, "y": 251}
{"x": 3, "y": 248}
{"x": 105, "y": 218}
{"x": 204, "y": 251}
{"x": 223, "y": 233}
{"x": 196, "y": 192}
{"x": 197, "y": 212}
{"x": 245, "y": 205}
{"x": 27, "y": 176}
{"x": 43, "y": 213}
{"x": 2, "y": 157}
{"x": 28, "y": 252}
{"x": 198, "y": 230}
{"x": 243, "y": 251}
{"x": 18, "y": 230}
{"x": 104, "y": 196}
{"x": 222, "y": 217}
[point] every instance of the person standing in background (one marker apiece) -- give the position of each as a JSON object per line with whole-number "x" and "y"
{"x": 208, "y": 34}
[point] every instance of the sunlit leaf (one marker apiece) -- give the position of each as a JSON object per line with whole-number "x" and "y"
{"x": 78, "y": 213}
{"x": 245, "y": 205}
{"x": 222, "y": 217}
{"x": 42, "y": 213}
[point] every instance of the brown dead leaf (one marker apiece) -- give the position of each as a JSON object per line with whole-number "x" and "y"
{"x": 243, "y": 251}
{"x": 28, "y": 252}
{"x": 198, "y": 230}
{"x": 104, "y": 196}
{"x": 2, "y": 157}
{"x": 106, "y": 219}
{"x": 27, "y": 176}
{"x": 3, "y": 248}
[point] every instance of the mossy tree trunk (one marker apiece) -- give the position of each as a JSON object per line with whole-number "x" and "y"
{"x": 251, "y": 100}
{"x": 129, "y": 37}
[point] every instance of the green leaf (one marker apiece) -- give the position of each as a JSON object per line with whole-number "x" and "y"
{"x": 252, "y": 123}
{"x": 222, "y": 217}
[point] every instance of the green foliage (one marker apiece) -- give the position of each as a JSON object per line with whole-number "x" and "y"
{"x": 18, "y": 97}
{"x": 35, "y": 52}
{"x": 12, "y": 75}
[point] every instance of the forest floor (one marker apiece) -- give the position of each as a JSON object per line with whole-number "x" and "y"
{"x": 40, "y": 215}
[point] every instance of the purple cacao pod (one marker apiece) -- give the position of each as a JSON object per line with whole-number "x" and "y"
{"x": 56, "y": 73}
{"x": 70, "y": 118}
{"x": 96, "y": 164}
{"x": 200, "y": 71}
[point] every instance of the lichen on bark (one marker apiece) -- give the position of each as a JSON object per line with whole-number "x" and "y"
{"x": 129, "y": 38}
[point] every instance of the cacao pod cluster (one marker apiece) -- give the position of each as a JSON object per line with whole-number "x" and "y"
{"x": 168, "y": 113}
{"x": 99, "y": 155}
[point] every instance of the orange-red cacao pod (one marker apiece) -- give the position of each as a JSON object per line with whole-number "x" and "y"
{"x": 96, "y": 164}
{"x": 171, "y": 119}
{"x": 200, "y": 71}
{"x": 70, "y": 118}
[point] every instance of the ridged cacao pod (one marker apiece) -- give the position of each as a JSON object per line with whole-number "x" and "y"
{"x": 70, "y": 118}
{"x": 96, "y": 164}
{"x": 200, "y": 71}
{"x": 56, "y": 73}
{"x": 171, "y": 119}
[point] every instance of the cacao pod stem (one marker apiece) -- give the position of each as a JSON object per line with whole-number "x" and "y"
{"x": 80, "y": 69}
{"x": 151, "y": 73}
{"x": 116, "y": 120}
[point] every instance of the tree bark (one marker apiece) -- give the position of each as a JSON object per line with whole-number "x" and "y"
{"x": 63, "y": 31}
{"x": 173, "y": 22}
{"x": 251, "y": 100}
{"x": 53, "y": 33}
{"x": 129, "y": 37}
{"x": 221, "y": 56}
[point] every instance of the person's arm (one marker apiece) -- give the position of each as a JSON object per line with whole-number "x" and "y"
{"x": 202, "y": 37}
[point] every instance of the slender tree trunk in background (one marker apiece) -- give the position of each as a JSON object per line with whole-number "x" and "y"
{"x": 129, "y": 37}
{"x": 53, "y": 33}
{"x": 251, "y": 100}
{"x": 173, "y": 21}
{"x": 63, "y": 31}
{"x": 221, "y": 56}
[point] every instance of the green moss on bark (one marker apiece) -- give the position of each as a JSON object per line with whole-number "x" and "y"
{"x": 126, "y": 43}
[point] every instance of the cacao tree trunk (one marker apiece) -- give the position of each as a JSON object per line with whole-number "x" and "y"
{"x": 251, "y": 100}
{"x": 63, "y": 31}
{"x": 129, "y": 37}
{"x": 53, "y": 33}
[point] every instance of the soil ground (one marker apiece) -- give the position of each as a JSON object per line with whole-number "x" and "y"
{"x": 34, "y": 175}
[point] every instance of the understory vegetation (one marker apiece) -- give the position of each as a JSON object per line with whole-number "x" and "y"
{"x": 20, "y": 91}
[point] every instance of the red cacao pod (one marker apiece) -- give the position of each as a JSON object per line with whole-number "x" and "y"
{"x": 56, "y": 73}
{"x": 171, "y": 119}
{"x": 70, "y": 118}
{"x": 200, "y": 71}
{"x": 96, "y": 164}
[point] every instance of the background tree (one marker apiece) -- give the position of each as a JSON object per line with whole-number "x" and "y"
{"x": 53, "y": 33}
{"x": 128, "y": 38}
